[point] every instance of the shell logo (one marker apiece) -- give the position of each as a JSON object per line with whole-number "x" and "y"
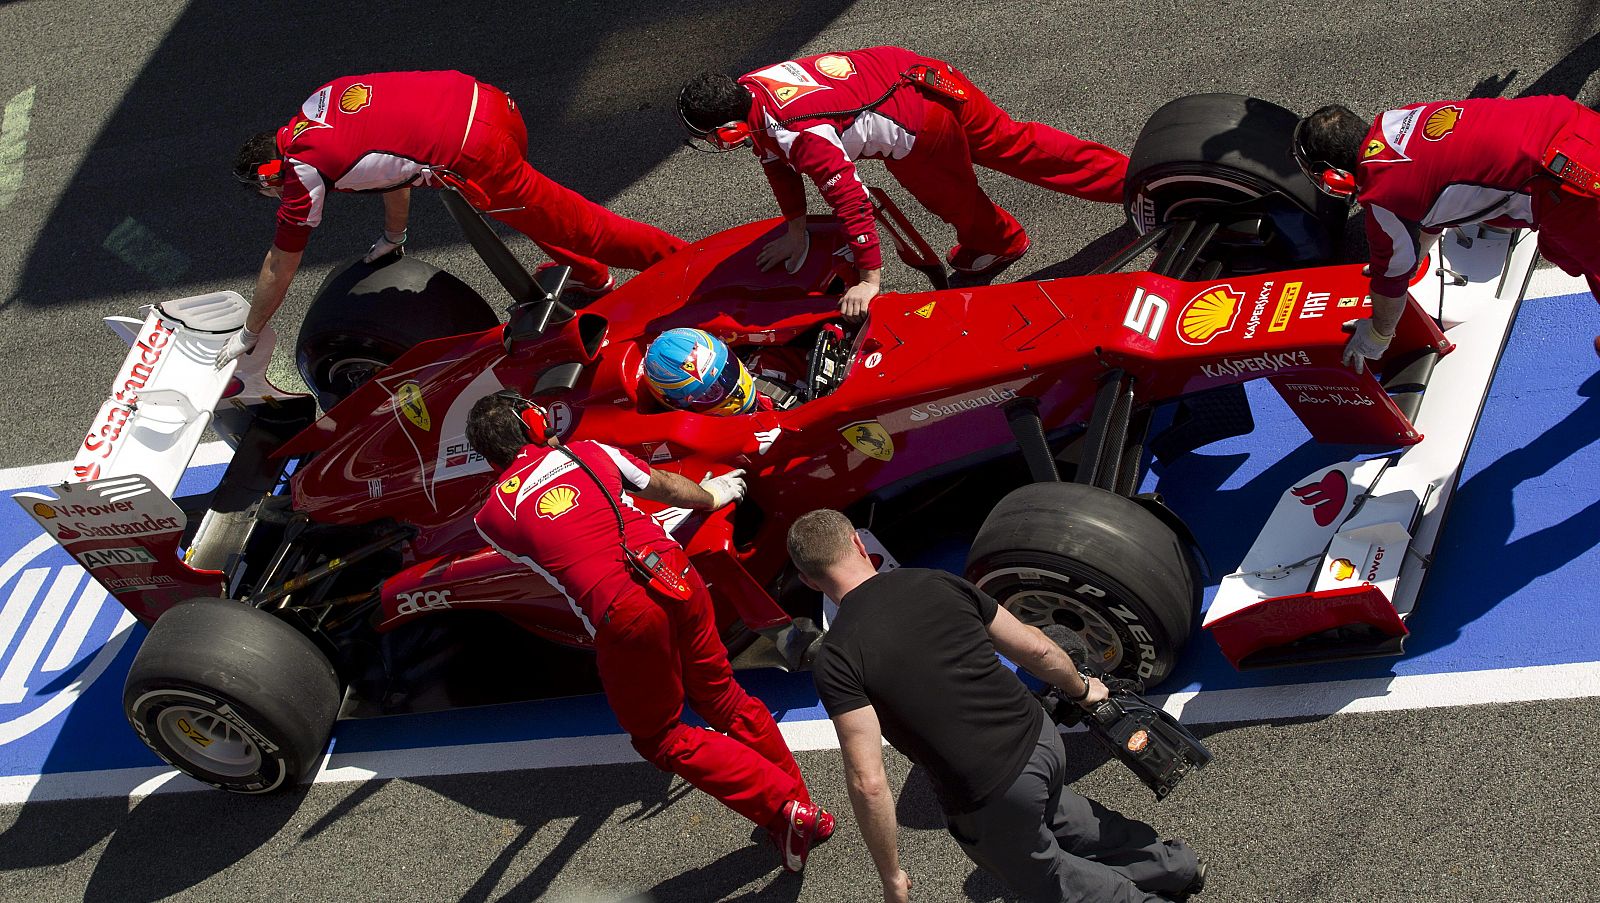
{"x": 43, "y": 510}
{"x": 1341, "y": 569}
{"x": 355, "y": 98}
{"x": 1441, "y": 122}
{"x": 838, "y": 67}
{"x": 1373, "y": 148}
{"x": 511, "y": 485}
{"x": 556, "y": 501}
{"x": 408, "y": 398}
{"x": 1209, "y": 315}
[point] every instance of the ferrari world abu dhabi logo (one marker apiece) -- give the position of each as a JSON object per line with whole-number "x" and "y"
{"x": 59, "y": 631}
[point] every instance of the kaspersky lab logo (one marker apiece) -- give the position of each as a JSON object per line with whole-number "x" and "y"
{"x": 59, "y": 631}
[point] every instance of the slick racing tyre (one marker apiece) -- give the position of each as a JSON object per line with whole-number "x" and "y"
{"x": 367, "y": 315}
{"x": 232, "y": 696}
{"x": 1228, "y": 156}
{"x": 1095, "y": 562}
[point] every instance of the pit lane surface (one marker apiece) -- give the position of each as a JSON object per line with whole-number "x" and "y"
{"x": 118, "y": 196}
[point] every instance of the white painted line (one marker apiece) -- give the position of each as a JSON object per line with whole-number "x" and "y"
{"x": 70, "y": 643}
{"x": 20, "y": 667}
{"x": 32, "y": 475}
{"x": 1426, "y": 691}
{"x": 135, "y": 245}
{"x": 14, "y": 123}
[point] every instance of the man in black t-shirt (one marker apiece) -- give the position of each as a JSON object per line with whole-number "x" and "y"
{"x": 911, "y": 658}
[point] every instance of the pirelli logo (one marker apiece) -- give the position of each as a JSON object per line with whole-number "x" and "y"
{"x": 1285, "y": 309}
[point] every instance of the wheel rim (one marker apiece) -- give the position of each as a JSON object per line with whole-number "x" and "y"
{"x": 1043, "y": 607}
{"x": 209, "y": 742}
{"x": 348, "y": 374}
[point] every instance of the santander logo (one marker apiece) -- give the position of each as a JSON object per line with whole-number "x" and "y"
{"x": 1326, "y": 496}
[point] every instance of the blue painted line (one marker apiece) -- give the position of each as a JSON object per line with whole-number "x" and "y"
{"x": 1513, "y": 573}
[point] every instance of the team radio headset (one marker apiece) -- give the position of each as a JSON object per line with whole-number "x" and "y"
{"x": 733, "y": 135}
{"x": 1329, "y": 179}
{"x": 647, "y": 563}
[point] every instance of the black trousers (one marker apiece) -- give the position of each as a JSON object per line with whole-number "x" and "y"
{"x": 1049, "y": 844}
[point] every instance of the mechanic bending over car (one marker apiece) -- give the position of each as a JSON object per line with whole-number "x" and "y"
{"x": 929, "y": 124}
{"x": 388, "y": 131}
{"x": 911, "y": 657}
{"x": 564, "y": 512}
{"x": 1530, "y": 163}
{"x": 693, "y": 370}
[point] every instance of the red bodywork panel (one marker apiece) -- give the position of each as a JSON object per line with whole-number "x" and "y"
{"x": 922, "y": 395}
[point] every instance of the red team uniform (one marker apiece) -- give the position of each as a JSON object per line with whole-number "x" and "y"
{"x": 1450, "y": 163}
{"x": 653, "y": 652}
{"x": 807, "y": 119}
{"x": 395, "y": 129}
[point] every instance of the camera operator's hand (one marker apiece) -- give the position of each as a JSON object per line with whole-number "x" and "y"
{"x": 898, "y": 888}
{"x": 1097, "y": 693}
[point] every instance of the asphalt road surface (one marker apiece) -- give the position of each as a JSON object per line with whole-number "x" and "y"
{"x": 120, "y": 125}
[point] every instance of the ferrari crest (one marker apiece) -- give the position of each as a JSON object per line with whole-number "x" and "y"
{"x": 926, "y": 310}
{"x": 408, "y": 398}
{"x": 1373, "y": 148}
{"x": 870, "y": 438}
{"x": 511, "y": 486}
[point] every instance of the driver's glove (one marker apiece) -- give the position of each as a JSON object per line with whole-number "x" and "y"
{"x": 240, "y": 343}
{"x": 724, "y": 489}
{"x": 387, "y": 243}
{"x": 1366, "y": 343}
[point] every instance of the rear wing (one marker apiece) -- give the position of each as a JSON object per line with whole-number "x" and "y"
{"x": 1337, "y": 569}
{"x": 115, "y": 512}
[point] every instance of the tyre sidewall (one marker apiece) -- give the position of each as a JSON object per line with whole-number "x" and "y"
{"x": 1148, "y": 652}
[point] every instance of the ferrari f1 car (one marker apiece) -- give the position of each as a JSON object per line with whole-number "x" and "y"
{"x": 271, "y": 600}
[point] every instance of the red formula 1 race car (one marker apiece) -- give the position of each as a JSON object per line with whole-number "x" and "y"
{"x": 329, "y": 534}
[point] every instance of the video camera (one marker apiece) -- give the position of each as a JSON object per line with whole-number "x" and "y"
{"x": 1152, "y": 743}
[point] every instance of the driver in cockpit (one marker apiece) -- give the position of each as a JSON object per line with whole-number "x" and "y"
{"x": 693, "y": 370}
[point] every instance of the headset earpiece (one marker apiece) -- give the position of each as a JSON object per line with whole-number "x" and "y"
{"x": 1338, "y": 182}
{"x": 731, "y": 135}
{"x": 538, "y": 423}
{"x": 535, "y": 419}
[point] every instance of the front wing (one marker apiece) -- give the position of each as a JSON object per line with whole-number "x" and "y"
{"x": 1338, "y": 567}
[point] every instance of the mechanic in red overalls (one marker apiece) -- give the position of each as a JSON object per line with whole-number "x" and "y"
{"x": 1421, "y": 168}
{"x": 929, "y": 124}
{"x": 389, "y": 131}
{"x": 655, "y": 634}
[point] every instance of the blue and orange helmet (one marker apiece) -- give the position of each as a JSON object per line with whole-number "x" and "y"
{"x": 694, "y": 370}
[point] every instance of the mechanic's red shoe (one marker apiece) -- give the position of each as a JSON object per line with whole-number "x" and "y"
{"x": 579, "y": 288}
{"x": 799, "y": 828}
{"x": 973, "y": 263}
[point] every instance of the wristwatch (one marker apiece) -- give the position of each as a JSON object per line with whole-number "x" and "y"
{"x": 1085, "y": 694}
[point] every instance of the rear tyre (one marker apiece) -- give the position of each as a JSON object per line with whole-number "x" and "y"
{"x": 232, "y": 696}
{"x": 1097, "y": 563}
{"x": 1204, "y": 153}
{"x": 365, "y": 316}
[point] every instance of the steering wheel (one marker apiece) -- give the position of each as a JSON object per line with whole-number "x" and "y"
{"x": 828, "y": 361}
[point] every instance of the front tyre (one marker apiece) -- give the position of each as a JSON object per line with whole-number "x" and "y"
{"x": 366, "y": 315}
{"x": 1096, "y": 563}
{"x": 232, "y": 696}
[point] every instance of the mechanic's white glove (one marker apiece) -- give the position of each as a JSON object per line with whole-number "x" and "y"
{"x": 1366, "y": 343}
{"x": 724, "y": 489}
{"x": 240, "y": 343}
{"x": 387, "y": 243}
{"x": 853, "y": 303}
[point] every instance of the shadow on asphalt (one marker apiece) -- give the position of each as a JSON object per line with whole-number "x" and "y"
{"x": 596, "y": 86}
